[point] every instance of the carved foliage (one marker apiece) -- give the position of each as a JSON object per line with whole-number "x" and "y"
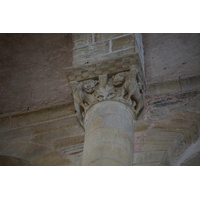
{"x": 125, "y": 87}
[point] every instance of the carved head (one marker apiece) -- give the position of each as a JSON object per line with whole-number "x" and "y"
{"x": 105, "y": 93}
{"x": 89, "y": 86}
{"x": 118, "y": 79}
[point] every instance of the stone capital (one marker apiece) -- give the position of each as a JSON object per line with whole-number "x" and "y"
{"x": 121, "y": 81}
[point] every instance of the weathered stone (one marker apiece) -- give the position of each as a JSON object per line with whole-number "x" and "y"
{"x": 31, "y": 71}
{"x": 141, "y": 125}
{"x": 175, "y": 150}
{"x": 171, "y": 56}
{"x": 164, "y": 88}
{"x": 24, "y": 150}
{"x": 56, "y": 125}
{"x": 108, "y": 142}
{"x": 139, "y": 48}
{"x": 162, "y": 134}
{"x": 67, "y": 141}
{"x": 53, "y": 158}
{"x": 178, "y": 147}
{"x": 193, "y": 161}
{"x": 158, "y": 138}
{"x": 83, "y": 55}
{"x": 80, "y": 39}
{"x": 193, "y": 105}
{"x": 20, "y": 134}
{"x": 178, "y": 125}
{"x": 149, "y": 164}
{"x": 75, "y": 155}
{"x": 185, "y": 115}
{"x": 29, "y": 118}
{"x": 125, "y": 87}
{"x": 145, "y": 147}
{"x": 5, "y": 123}
{"x": 190, "y": 83}
{"x": 148, "y": 157}
{"x": 107, "y": 83}
{"x": 3, "y": 145}
{"x": 123, "y": 43}
{"x": 51, "y": 136}
{"x": 99, "y": 37}
{"x": 34, "y": 65}
{"x": 72, "y": 149}
{"x": 106, "y": 57}
{"x": 112, "y": 66}
{"x": 190, "y": 155}
{"x": 12, "y": 161}
{"x": 118, "y": 54}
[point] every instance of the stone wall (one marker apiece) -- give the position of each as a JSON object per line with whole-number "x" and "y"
{"x": 171, "y": 121}
{"x": 37, "y": 122}
{"x": 50, "y": 136}
{"x": 32, "y": 72}
{"x": 97, "y": 47}
{"x": 171, "y": 56}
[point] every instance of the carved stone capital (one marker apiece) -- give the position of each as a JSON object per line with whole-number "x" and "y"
{"x": 125, "y": 86}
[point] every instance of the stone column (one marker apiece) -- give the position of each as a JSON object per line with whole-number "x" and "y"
{"x": 109, "y": 128}
{"x": 108, "y": 98}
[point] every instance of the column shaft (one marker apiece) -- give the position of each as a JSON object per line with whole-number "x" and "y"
{"x": 109, "y": 128}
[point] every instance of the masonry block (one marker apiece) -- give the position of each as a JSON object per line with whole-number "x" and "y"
{"x": 68, "y": 141}
{"x": 190, "y": 83}
{"x": 12, "y": 161}
{"x": 52, "y": 158}
{"x": 57, "y": 125}
{"x": 20, "y": 134}
{"x": 164, "y": 88}
{"x": 142, "y": 147}
{"x": 81, "y": 39}
{"x": 5, "y": 123}
{"x": 122, "y": 43}
{"x": 86, "y": 54}
{"x": 147, "y": 157}
{"x": 28, "y": 118}
{"x": 99, "y": 37}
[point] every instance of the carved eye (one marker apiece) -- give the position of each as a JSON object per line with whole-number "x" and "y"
{"x": 111, "y": 95}
{"x": 100, "y": 97}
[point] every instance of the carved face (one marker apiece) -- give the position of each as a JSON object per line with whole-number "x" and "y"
{"x": 105, "y": 93}
{"x": 89, "y": 86}
{"x": 118, "y": 79}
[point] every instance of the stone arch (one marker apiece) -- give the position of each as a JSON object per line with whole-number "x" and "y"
{"x": 191, "y": 156}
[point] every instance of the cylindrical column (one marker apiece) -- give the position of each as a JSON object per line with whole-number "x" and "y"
{"x": 109, "y": 128}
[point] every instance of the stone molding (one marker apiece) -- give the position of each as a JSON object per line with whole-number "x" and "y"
{"x": 84, "y": 72}
{"x": 120, "y": 80}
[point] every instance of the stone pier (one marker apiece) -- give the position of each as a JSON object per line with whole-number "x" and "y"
{"x": 108, "y": 87}
{"x": 107, "y": 106}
